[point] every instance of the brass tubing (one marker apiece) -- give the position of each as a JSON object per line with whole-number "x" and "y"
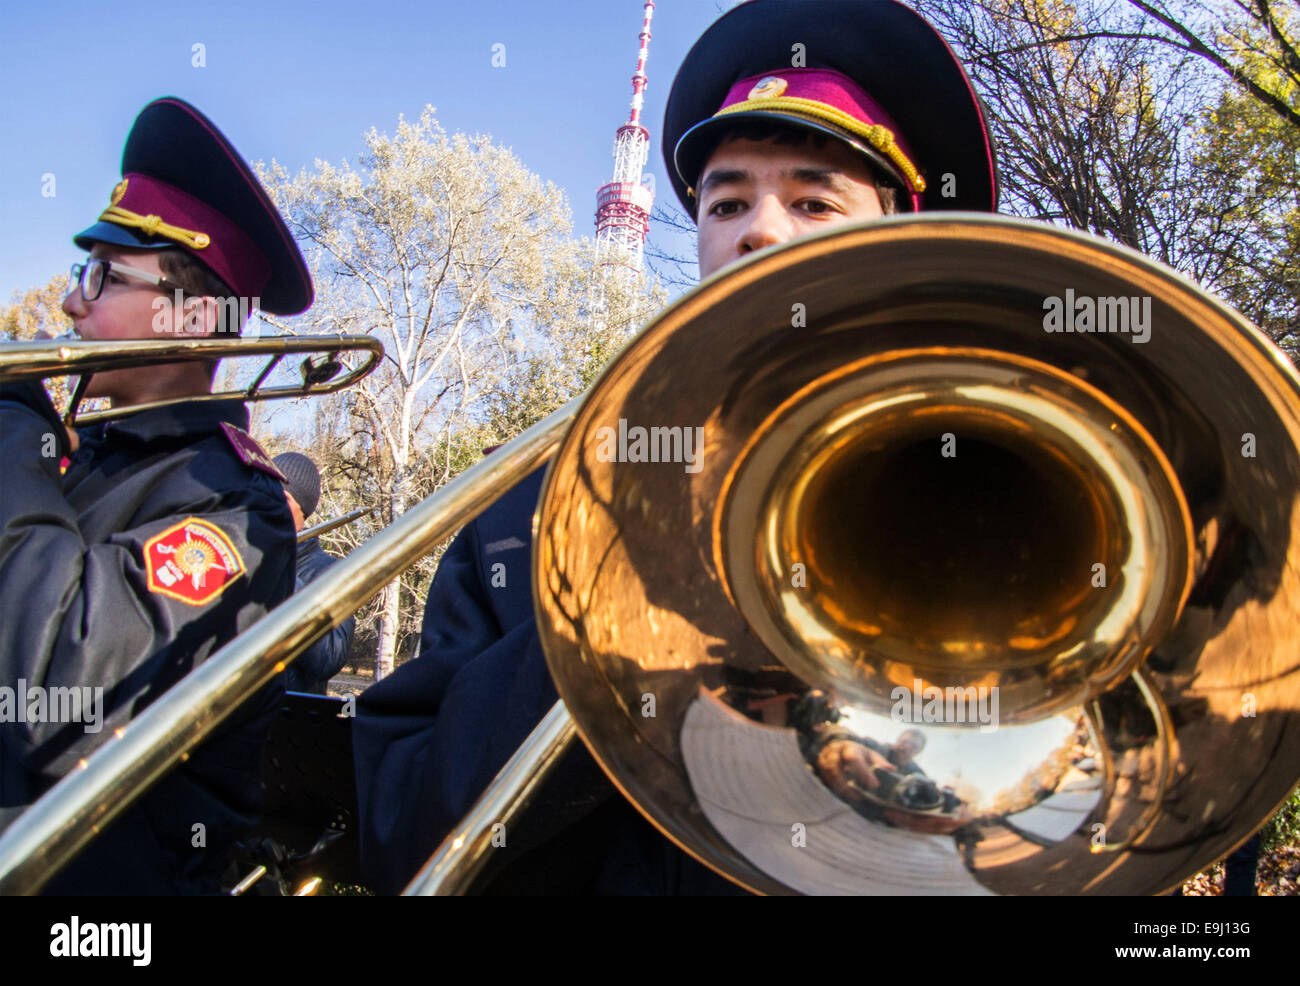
{"x": 46, "y": 836}
{"x": 1164, "y": 760}
{"x": 271, "y": 364}
{"x": 248, "y": 881}
{"x": 325, "y": 526}
{"x": 455, "y": 863}
{"x": 65, "y": 357}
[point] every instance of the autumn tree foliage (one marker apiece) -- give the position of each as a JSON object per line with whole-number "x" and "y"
{"x": 1169, "y": 127}
{"x": 464, "y": 263}
{"x": 38, "y": 312}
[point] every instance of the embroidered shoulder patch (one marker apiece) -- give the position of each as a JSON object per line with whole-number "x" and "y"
{"x": 249, "y": 452}
{"x": 192, "y": 561}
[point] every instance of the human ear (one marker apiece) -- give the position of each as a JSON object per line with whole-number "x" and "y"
{"x": 199, "y": 317}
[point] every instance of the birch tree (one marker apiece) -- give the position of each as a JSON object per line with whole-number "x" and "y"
{"x": 464, "y": 265}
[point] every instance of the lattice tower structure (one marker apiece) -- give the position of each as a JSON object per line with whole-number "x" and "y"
{"x": 623, "y": 204}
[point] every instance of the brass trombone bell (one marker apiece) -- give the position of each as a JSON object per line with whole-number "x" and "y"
{"x": 1106, "y": 557}
{"x": 847, "y": 482}
{"x": 319, "y": 369}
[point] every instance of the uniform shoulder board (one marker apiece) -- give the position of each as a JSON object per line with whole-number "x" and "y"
{"x": 249, "y": 452}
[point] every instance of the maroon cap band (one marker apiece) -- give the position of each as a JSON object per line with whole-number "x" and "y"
{"x": 154, "y": 208}
{"x": 824, "y": 99}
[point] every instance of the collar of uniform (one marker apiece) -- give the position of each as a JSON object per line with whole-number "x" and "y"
{"x": 188, "y": 420}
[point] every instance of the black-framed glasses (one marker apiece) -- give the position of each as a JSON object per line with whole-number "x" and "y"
{"x": 91, "y": 276}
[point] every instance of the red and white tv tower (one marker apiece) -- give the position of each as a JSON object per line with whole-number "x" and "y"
{"x": 623, "y": 205}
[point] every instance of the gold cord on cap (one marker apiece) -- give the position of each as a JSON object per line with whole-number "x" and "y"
{"x": 154, "y": 226}
{"x": 881, "y": 138}
{"x": 150, "y": 225}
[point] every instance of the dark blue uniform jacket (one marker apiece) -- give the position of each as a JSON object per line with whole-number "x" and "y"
{"x": 77, "y": 609}
{"x": 430, "y": 737}
{"x": 324, "y": 659}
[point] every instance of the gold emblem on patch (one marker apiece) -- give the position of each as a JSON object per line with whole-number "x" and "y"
{"x": 118, "y": 191}
{"x": 194, "y": 558}
{"x": 768, "y": 88}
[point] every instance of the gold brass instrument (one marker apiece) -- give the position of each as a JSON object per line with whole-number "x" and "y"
{"x": 66, "y": 357}
{"x": 899, "y": 482}
{"x": 325, "y": 526}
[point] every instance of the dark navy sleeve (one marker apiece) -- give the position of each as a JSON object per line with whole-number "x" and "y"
{"x": 325, "y": 658}
{"x": 84, "y": 614}
{"x": 430, "y": 737}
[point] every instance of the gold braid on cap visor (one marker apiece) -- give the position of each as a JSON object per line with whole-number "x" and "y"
{"x": 154, "y": 226}
{"x": 881, "y": 138}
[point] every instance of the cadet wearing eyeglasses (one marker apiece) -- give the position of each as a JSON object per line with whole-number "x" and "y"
{"x": 169, "y": 532}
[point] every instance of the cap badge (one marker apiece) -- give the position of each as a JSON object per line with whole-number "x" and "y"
{"x": 768, "y": 87}
{"x": 118, "y": 191}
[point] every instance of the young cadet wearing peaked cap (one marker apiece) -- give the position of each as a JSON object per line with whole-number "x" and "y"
{"x": 872, "y": 74}
{"x": 760, "y": 152}
{"x": 169, "y": 533}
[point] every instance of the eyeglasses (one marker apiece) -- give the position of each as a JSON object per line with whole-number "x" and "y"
{"x": 91, "y": 275}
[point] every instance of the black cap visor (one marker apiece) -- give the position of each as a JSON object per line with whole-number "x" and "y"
{"x": 698, "y": 144}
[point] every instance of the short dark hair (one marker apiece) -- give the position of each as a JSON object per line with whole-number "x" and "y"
{"x": 197, "y": 280}
{"x": 792, "y": 135}
{"x": 193, "y": 275}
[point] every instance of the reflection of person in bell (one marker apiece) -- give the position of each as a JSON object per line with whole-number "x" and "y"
{"x": 904, "y": 751}
{"x": 753, "y": 780}
{"x": 882, "y": 783}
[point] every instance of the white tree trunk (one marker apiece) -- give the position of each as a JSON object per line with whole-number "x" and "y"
{"x": 390, "y": 612}
{"x": 388, "y": 622}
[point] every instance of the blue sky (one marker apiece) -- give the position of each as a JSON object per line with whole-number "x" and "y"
{"x": 300, "y": 81}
